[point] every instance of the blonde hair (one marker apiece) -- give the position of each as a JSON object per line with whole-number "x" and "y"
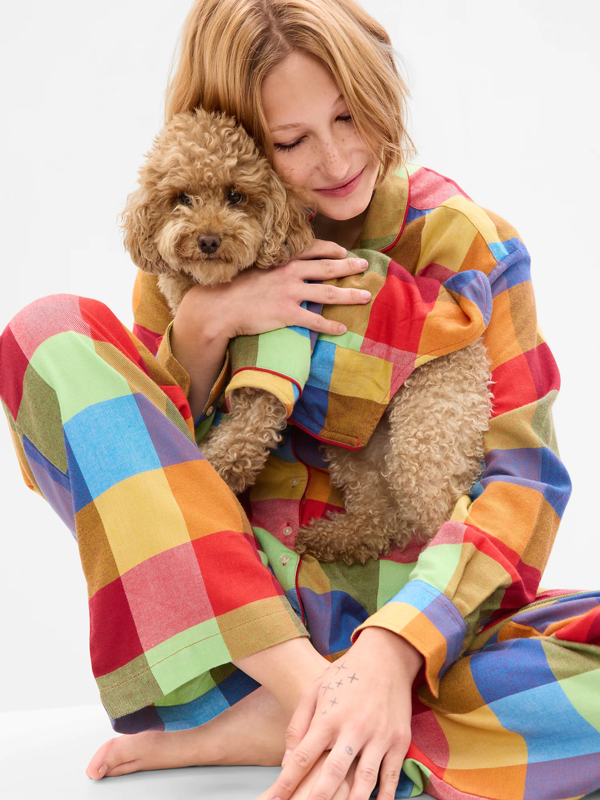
{"x": 228, "y": 47}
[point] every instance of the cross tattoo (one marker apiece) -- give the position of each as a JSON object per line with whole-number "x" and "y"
{"x": 329, "y": 686}
{"x": 333, "y": 702}
{"x": 353, "y": 678}
{"x": 339, "y": 683}
{"x": 341, "y": 667}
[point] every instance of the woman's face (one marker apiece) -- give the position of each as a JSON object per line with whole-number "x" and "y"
{"x": 316, "y": 143}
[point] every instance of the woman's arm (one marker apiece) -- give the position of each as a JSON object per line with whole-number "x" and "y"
{"x": 199, "y": 342}
{"x": 489, "y": 558}
{"x": 194, "y": 344}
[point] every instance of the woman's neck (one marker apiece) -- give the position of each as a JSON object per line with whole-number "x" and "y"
{"x": 341, "y": 231}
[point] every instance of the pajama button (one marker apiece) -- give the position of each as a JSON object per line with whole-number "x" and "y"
{"x": 295, "y": 481}
{"x": 287, "y": 530}
{"x": 284, "y": 559}
{"x": 479, "y": 629}
{"x": 209, "y": 410}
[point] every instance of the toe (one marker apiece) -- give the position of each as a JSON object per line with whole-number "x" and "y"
{"x": 110, "y": 759}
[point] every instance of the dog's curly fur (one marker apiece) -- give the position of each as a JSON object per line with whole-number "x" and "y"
{"x": 210, "y": 205}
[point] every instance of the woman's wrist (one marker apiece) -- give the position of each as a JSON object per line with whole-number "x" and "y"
{"x": 199, "y": 343}
{"x": 285, "y": 669}
{"x": 385, "y": 642}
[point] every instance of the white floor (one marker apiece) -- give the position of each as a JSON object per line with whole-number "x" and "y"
{"x": 44, "y": 753}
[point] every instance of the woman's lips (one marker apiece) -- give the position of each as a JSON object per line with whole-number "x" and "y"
{"x": 342, "y": 191}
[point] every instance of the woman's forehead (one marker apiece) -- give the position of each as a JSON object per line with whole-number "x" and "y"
{"x": 298, "y": 88}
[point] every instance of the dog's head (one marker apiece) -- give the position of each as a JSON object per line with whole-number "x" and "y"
{"x": 209, "y": 204}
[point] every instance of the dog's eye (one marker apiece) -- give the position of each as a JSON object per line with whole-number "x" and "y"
{"x": 183, "y": 199}
{"x": 234, "y": 197}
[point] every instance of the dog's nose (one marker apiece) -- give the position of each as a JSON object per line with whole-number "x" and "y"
{"x": 209, "y": 243}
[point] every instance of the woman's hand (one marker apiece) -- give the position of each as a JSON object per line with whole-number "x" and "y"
{"x": 360, "y": 711}
{"x": 260, "y": 300}
{"x": 256, "y": 301}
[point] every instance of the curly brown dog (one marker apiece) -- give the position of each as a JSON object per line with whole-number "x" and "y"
{"x": 210, "y": 205}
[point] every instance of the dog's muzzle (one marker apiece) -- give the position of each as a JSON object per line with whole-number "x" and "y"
{"x": 209, "y": 243}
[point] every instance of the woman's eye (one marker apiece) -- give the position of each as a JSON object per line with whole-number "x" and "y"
{"x": 286, "y": 147}
{"x": 234, "y": 197}
{"x": 184, "y": 200}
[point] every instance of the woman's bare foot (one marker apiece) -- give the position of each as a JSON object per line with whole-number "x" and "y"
{"x": 250, "y": 732}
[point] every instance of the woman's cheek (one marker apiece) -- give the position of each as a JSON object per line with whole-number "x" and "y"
{"x": 294, "y": 172}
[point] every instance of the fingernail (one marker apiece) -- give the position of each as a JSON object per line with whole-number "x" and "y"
{"x": 342, "y": 328}
{"x": 285, "y": 758}
{"x": 365, "y": 294}
{"x": 103, "y": 770}
{"x": 363, "y": 263}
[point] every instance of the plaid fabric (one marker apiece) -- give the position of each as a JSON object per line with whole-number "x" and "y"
{"x": 104, "y": 433}
{"x": 338, "y": 387}
{"x": 181, "y": 580}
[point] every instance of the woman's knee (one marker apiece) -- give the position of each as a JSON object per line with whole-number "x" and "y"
{"x": 35, "y": 324}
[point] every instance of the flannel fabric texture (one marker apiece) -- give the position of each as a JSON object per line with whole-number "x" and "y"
{"x": 183, "y": 578}
{"x": 338, "y": 387}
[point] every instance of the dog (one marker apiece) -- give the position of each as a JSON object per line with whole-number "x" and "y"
{"x": 209, "y": 205}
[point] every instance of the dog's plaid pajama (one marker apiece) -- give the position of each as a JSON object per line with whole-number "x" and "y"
{"x": 182, "y": 580}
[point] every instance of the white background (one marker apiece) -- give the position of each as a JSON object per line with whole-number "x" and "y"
{"x": 504, "y": 101}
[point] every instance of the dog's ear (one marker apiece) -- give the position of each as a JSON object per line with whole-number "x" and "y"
{"x": 287, "y": 232}
{"x": 139, "y": 222}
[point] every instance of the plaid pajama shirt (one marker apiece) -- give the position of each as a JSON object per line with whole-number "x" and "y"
{"x": 182, "y": 579}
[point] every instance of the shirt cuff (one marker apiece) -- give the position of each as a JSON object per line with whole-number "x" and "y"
{"x": 210, "y": 408}
{"x": 430, "y": 622}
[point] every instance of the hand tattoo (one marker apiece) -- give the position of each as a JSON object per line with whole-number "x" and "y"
{"x": 349, "y": 750}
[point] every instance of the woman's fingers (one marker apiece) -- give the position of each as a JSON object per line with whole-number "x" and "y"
{"x": 301, "y": 719}
{"x": 366, "y": 773}
{"x": 389, "y": 772}
{"x": 329, "y": 294}
{"x": 326, "y": 269}
{"x": 335, "y": 769}
{"x": 300, "y": 762}
{"x": 322, "y": 248}
{"x": 315, "y": 322}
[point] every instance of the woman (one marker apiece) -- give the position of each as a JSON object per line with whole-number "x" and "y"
{"x": 149, "y": 511}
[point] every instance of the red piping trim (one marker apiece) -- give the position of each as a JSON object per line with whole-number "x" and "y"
{"x": 298, "y": 592}
{"x": 389, "y": 247}
{"x": 302, "y": 504}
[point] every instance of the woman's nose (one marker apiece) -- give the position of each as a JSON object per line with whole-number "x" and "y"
{"x": 335, "y": 161}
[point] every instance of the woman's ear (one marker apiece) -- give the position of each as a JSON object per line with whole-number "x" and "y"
{"x": 287, "y": 232}
{"x": 139, "y": 223}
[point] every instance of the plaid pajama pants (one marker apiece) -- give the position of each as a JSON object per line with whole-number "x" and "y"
{"x": 179, "y": 587}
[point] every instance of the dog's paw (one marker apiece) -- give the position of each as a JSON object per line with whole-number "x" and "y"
{"x": 335, "y": 540}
